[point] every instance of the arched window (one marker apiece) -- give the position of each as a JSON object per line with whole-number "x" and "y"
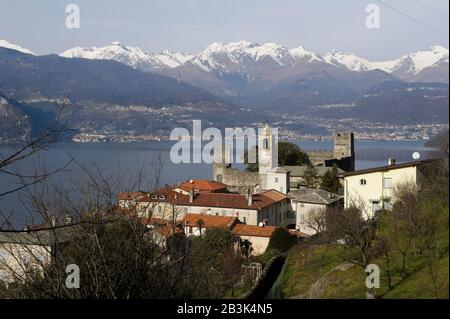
{"x": 363, "y": 182}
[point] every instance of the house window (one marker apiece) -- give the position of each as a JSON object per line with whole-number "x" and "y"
{"x": 265, "y": 143}
{"x": 375, "y": 206}
{"x": 219, "y": 178}
{"x": 281, "y": 190}
{"x": 190, "y": 230}
{"x": 276, "y": 179}
{"x": 387, "y": 183}
{"x": 302, "y": 219}
{"x": 245, "y": 220}
{"x": 363, "y": 182}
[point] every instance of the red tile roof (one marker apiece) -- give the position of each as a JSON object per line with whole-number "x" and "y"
{"x": 253, "y": 230}
{"x": 166, "y": 194}
{"x": 203, "y": 185}
{"x": 130, "y": 195}
{"x": 209, "y": 221}
{"x": 168, "y": 230}
{"x": 236, "y": 201}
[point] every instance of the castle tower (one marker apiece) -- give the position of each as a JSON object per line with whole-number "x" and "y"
{"x": 220, "y": 165}
{"x": 344, "y": 148}
{"x": 267, "y": 149}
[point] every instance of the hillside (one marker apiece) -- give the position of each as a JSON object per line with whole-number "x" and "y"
{"x": 108, "y": 96}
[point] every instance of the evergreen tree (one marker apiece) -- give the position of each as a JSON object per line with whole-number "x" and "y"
{"x": 330, "y": 180}
{"x": 310, "y": 177}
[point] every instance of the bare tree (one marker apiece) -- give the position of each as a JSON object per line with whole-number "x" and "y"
{"x": 316, "y": 219}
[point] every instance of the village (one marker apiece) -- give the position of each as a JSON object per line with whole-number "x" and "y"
{"x": 251, "y": 205}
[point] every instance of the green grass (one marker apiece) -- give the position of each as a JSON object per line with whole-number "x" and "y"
{"x": 306, "y": 265}
{"x": 420, "y": 285}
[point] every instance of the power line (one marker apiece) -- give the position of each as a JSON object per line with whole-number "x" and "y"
{"x": 413, "y": 19}
{"x": 431, "y": 9}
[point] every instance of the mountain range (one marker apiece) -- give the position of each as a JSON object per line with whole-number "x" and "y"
{"x": 118, "y": 88}
{"x": 243, "y": 56}
{"x": 264, "y": 76}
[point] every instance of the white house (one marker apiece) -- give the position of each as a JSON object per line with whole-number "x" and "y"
{"x": 305, "y": 200}
{"x": 374, "y": 187}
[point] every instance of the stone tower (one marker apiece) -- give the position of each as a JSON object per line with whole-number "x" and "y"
{"x": 344, "y": 149}
{"x": 267, "y": 149}
{"x": 221, "y": 165}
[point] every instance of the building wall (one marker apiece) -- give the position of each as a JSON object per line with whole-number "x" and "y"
{"x": 17, "y": 259}
{"x": 374, "y": 189}
{"x": 259, "y": 244}
{"x": 278, "y": 181}
{"x": 302, "y": 211}
{"x": 248, "y": 216}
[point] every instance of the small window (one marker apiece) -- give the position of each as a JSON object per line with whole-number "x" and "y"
{"x": 363, "y": 182}
{"x": 190, "y": 230}
{"x": 387, "y": 183}
{"x": 245, "y": 220}
{"x": 265, "y": 143}
{"x": 219, "y": 178}
{"x": 276, "y": 179}
{"x": 302, "y": 219}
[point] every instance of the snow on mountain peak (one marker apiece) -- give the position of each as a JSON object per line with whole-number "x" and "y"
{"x": 131, "y": 56}
{"x": 9, "y": 45}
{"x": 242, "y": 55}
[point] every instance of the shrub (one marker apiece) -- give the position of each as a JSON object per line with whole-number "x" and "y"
{"x": 281, "y": 240}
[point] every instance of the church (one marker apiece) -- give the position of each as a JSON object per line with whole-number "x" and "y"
{"x": 272, "y": 176}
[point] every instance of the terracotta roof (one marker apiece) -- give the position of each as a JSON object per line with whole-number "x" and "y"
{"x": 202, "y": 185}
{"x": 209, "y": 221}
{"x": 166, "y": 194}
{"x": 253, "y": 230}
{"x": 386, "y": 168}
{"x": 168, "y": 230}
{"x": 236, "y": 201}
{"x": 154, "y": 221}
{"x": 130, "y": 195}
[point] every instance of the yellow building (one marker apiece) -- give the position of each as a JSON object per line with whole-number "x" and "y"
{"x": 373, "y": 188}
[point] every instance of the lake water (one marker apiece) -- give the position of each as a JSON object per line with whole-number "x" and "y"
{"x": 124, "y": 160}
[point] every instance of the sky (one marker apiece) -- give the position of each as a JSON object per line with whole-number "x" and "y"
{"x": 191, "y": 25}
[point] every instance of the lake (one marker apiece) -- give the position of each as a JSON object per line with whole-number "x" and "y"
{"x": 122, "y": 161}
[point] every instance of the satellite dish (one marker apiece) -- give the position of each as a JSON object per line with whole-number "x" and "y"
{"x": 261, "y": 224}
{"x": 416, "y": 155}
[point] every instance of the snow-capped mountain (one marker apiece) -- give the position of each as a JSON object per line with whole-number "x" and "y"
{"x": 406, "y": 67}
{"x": 131, "y": 56}
{"x": 9, "y": 45}
{"x": 246, "y": 57}
{"x": 239, "y": 56}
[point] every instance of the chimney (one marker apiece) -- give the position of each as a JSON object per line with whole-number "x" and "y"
{"x": 249, "y": 198}
{"x": 391, "y": 161}
{"x": 191, "y": 195}
{"x": 53, "y": 221}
